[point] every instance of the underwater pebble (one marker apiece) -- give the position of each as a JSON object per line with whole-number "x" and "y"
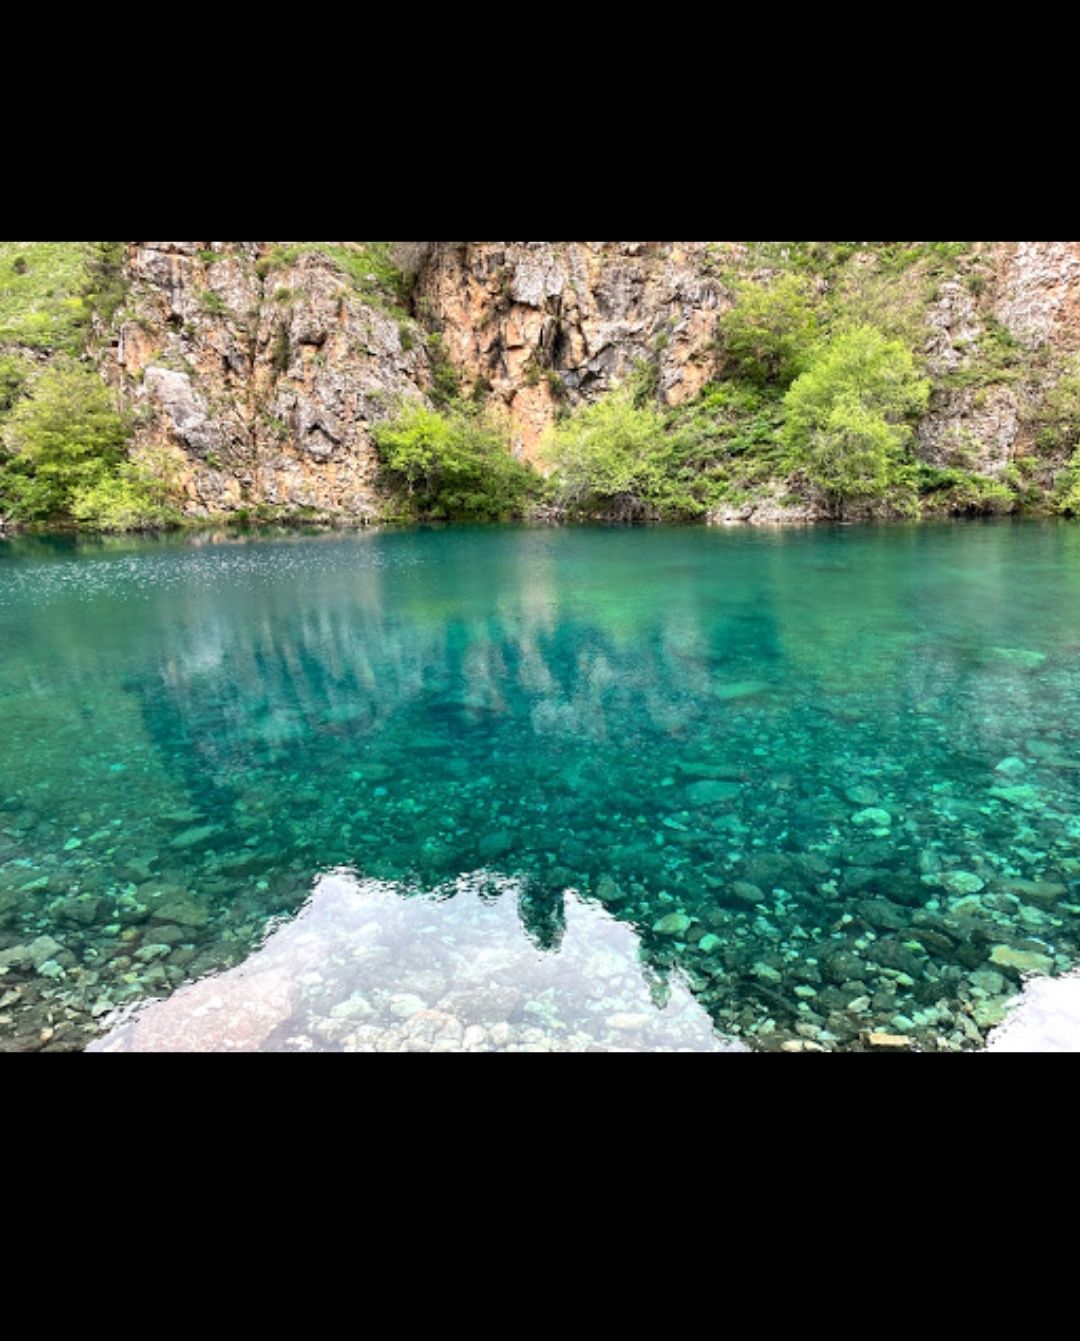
{"x": 1024, "y": 961}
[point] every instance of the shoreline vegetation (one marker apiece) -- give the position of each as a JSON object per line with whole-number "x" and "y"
{"x": 821, "y": 380}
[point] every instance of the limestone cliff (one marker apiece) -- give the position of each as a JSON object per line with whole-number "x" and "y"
{"x": 265, "y": 366}
{"x": 266, "y": 380}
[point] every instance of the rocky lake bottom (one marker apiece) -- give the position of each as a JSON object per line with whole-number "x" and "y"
{"x": 539, "y": 789}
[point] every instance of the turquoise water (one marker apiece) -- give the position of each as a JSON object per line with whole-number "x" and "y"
{"x": 827, "y": 778}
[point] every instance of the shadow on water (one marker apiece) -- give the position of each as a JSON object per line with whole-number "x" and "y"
{"x": 825, "y": 779}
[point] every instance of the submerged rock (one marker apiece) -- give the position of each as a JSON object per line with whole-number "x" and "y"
{"x": 1021, "y": 961}
{"x": 1043, "y": 892}
{"x": 193, "y": 840}
{"x": 1023, "y": 794}
{"x": 711, "y": 793}
{"x": 962, "y": 882}
{"x": 674, "y": 924}
{"x": 882, "y": 914}
{"x": 43, "y": 949}
{"x": 182, "y": 912}
{"x": 872, "y": 817}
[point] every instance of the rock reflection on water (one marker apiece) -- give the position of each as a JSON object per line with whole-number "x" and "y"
{"x": 363, "y": 969}
{"x": 1045, "y": 1017}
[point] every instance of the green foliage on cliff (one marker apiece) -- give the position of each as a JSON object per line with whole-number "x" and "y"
{"x": 41, "y": 301}
{"x": 949, "y": 490}
{"x": 369, "y": 266}
{"x": 612, "y": 457}
{"x": 848, "y": 417}
{"x": 64, "y": 458}
{"x": 455, "y": 464}
{"x": 1060, "y": 416}
{"x": 14, "y": 374}
{"x": 768, "y": 333}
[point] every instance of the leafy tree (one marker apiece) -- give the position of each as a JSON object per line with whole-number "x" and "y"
{"x": 613, "y": 456}
{"x": 63, "y": 439}
{"x": 846, "y": 418}
{"x": 136, "y": 496}
{"x": 769, "y": 332}
{"x": 1068, "y": 500}
{"x": 454, "y": 464}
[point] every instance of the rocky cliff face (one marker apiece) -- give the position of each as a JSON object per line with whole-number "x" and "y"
{"x": 548, "y": 322}
{"x": 266, "y": 376}
{"x": 266, "y": 382}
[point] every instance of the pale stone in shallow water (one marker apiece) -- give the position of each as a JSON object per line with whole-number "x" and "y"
{"x": 672, "y": 925}
{"x": 872, "y": 815}
{"x": 711, "y": 792}
{"x": 43, "y": 949}
{"x": 878, "y": 1040}
{"x": 988, "y": 980}
{"x": 1024, "y": 961}
{"x": 989, "y": 1013}
{"x": 1012, "y": 766}
{"x": 1023, "y": 794}
{"x": 962, "y": 882}
{"x": 1037, "y": 891}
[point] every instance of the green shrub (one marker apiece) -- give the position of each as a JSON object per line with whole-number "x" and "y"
{"x": 949, "y": 489}
{"x": 847, "y": 417}
{"x": 454, "y": 464}
{"x": 769, "y": 332}
{"x": 369, "y": 266}
{"x": 280, "y": 350}
{"x": 104, "y": 284}
{"x": 41, "y": 300}
{"x": 133, "y": 497}
{"x": 62, "y": 439}
{"x": 1059, "y": 416}
{"x": 446, "y": 385}
{"x": 612, "y": 457}
{"x": 13, "y": 377}
{"x": 213, "y": 303}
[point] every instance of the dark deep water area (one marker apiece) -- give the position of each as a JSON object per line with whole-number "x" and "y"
{"x": 537, "y": 788}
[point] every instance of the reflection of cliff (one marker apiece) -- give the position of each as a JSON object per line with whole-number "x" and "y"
{"x": 363, "y": 969}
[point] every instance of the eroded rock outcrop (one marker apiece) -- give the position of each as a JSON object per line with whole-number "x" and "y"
{"x": 545, "y": 322}
{"x": 268, "y": 383}
{"x": 268, "y": 377}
